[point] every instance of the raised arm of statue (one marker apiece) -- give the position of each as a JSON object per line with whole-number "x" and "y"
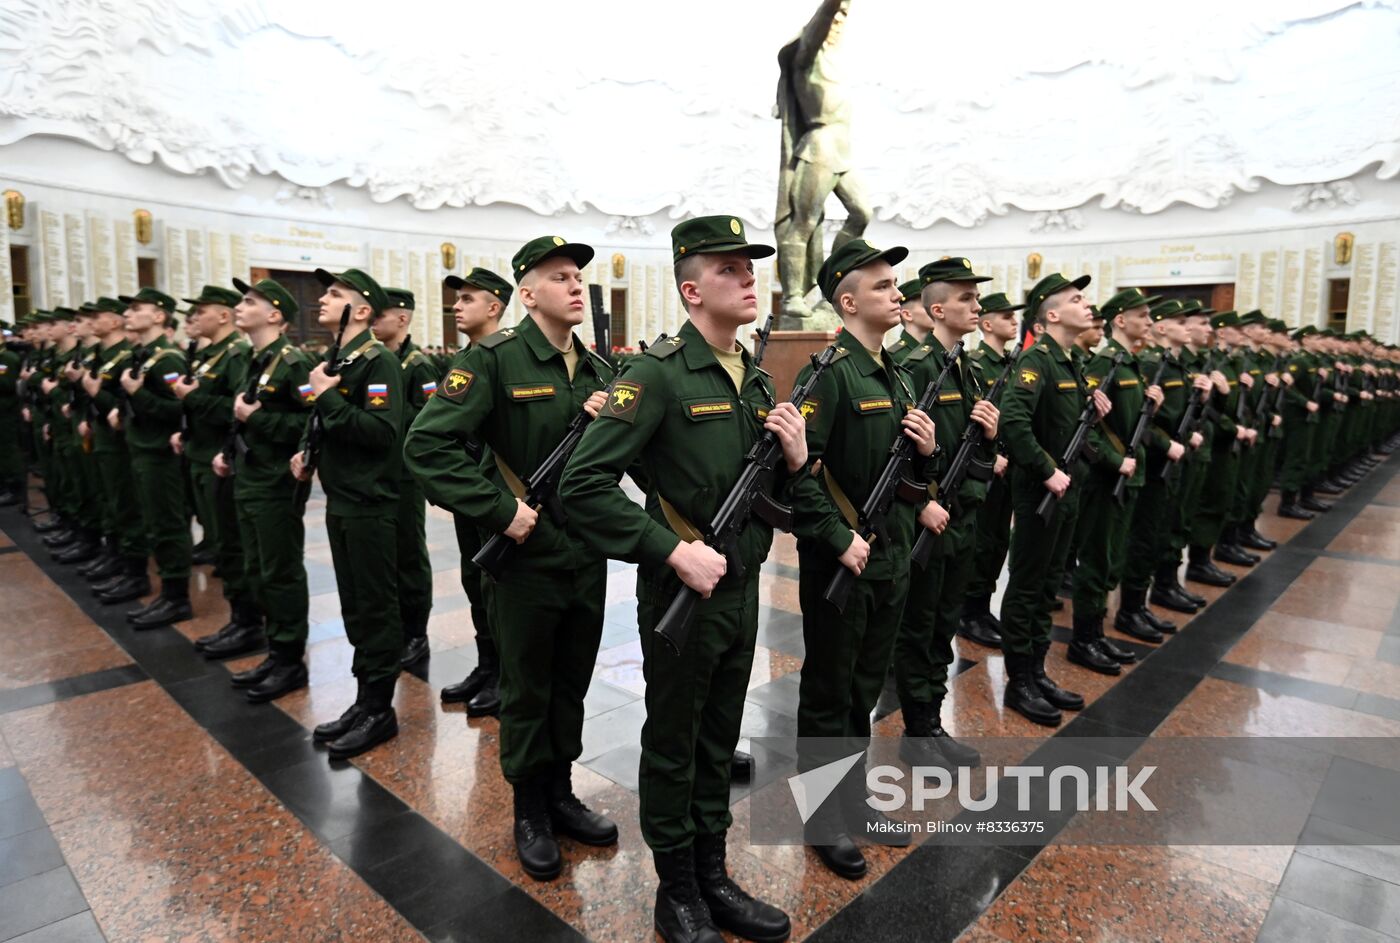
{"x": 818, "y": 28}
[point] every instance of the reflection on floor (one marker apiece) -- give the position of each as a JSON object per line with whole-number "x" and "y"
{"x": 141, "y": 798}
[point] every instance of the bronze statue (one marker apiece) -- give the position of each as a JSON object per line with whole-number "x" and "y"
{"x": 816, "y": 157}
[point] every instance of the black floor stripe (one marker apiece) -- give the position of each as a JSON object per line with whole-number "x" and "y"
{"x": 50, "y": 691}
{"x": 937, "y": 891}
{"x": 5, "y": 550}
{"x": 363, "y": 823}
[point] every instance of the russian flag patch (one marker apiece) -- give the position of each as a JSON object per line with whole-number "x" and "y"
{"x": 430, "y": 387}
{"x": 308, "y": 394}
{"x": 170, "y": 378}
{"x": 378, "y": 394}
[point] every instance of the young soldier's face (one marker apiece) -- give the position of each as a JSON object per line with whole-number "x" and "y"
{"x": 1197, "y": 330}
{"x": 1257, "y": 333}
{"x": 388, "y": 325}
{"x": 252, "y": 312}
{"x": 554, "y": 289}
{"x": 1229, "y": 336}
{"x": 913, "y": 314}
{"x": 1071, "y": 309}
{"x": 206, "y": 321}
{"x": 140, "y": 317}
{"x": 960, "y": 307}
{"x": 86, "y": 329}
{"x": 725, "y": 284}
{"x": 1132, "y": 325}
{"x": 337, "y": 296}
{"x": 473, "y": 309}
{"x": 1172, "y": 331}
{"x": 1000, "y": 326}
{"x": 1092, "y": 334}
{"x": 876, "y": 296}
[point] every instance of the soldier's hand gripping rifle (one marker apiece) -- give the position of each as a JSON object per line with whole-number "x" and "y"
{"x": 973, "y": 437}
{"x": 1269, "y": 407}
{"x": 138, "y": 362}
{"x": 316, "y": 429}
{"x": 602, "y": 325}
{"x": 1191, "y": 420}
{"x": 541, "y": 491}
{"x": 870, "y": 523}
{"x": 1077, "y": 442}
{"x": 1319, "y": 384}
{"x": 190, "y": 350}
{"x": 1149, "y": 410}
{"x": 233, "y": 442}
{"x": 739, "y": 505}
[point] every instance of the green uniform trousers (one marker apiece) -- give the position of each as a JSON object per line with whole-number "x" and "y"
{"x": 1103, "y": 535}
{"x": 1324, "y": 444}
{"x": 1038, "y": 555}
{"x": 1192, "y": 480}
{"x": 273, "y": 541}
{"x": 547, "y": 627}
{"x": 1262, "y": 477}
{"x": 160, "y": 491}
{"x": 11, "y": 450}
{"x": 695, "y": 702}
{"x": 415, "y": 569}
{"x": 364, "y": 551}
{"x": 1250, "y": 459}
{"x": 923, "y": 649}
{"x": 1299, "y": 439}
{"x": 993, "y": 538}
{"x": 1217, "y": 497}
{"x": 214, "y": 506}
{"x": 121, "y": 512}
{"x": 476, "y": 584}
{"x": 1149, "y": 532}
{"x": 848, "y": 654}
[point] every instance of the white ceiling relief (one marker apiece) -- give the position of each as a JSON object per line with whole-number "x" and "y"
{"x": 633, "y": 107}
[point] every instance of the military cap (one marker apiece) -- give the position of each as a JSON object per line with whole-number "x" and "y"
{"x": 149, "y": 296}
{"x": 486, "y": 280}
{"x": 855, "y": 254}
{"x": 109, "y": 305}
{"x": 215, "y": 295}
{"x": 998, "y": 301}
{"x": 536, "y": 251}
{"x": 1278, "y": 326}
{"x": 1225, "y": 319}
{"x": 1126, "y": 299}
{"x": 951, "y": 269}
{"x": 910, "y": 290}
{"x": 1190, "y": 306}
{"x": 714, "y": 234}
{"x": 1253, "y": 317}
{"x": 1167, "y": 309}
{"x": 360, "y": 281}
{"x": 1095, "y": 313}
{"x": 62, "y": 314}
{"x": 400, "y": 298}
{"x": 274, "y": 293}
{"x": 1052, "y": 284}
{"x": 1304, "y": 331}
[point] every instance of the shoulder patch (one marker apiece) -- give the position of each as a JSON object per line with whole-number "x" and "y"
{"x": 1091, "y": 382}
{"x": 377, "y": 396}
{"x": 666, "y": 348}
{"x": 919, "y": 353}
{"x": 809, "y": 408}
{"x": 841, "y": 354}
{"x": 623, "y": 399}
{"x": 455, "y": 385}
{"x": 1027, "y": 378}
{"x": 497, "y": 339}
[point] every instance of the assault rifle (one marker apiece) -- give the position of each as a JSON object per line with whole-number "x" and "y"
{"x": 1077, "y": 442}
{"x": 870, "y": 523}
{"x": 315, "y": 428}
{"x": 743, "y": 501}
{"x": 1149, "y": 410}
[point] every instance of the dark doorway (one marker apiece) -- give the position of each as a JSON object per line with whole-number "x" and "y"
{"x": 307, "y": 291}
{"x": 1338, "y": 300}
{"x": 1221, "y": 296}
{"x": 19, "y": 280}
{"x": 449, "y": 320}
{"x": 145, "y": 273}
{"x": 619, "y": 319}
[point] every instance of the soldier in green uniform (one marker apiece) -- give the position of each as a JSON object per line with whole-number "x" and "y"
{"x": 1103, "y": 521}
{"x": 151, "y": 417}
{"x": 481, "y": 299}
{"x": 1261, "y": 364}
{"x": 1300, "y": 409}
{"x": 1039, "y": 415}
{"x": 688, "y": 411}
{"x": 1332, "y": 406}
{"x": 1218, "y": 491}
{"x": 924, "y": 647}
{"x": 270, "y": 528}
{"x": 11, "y": 456}
{"x": 75, "y": 411}
{"x": 415, "y": 569}
{"x": 122, "y": 574}
{"x": 34, "y": 412}
{"x": 361, "y": 412}
{"x": 66, "y": 488}
{"x": 999, "y": 327}
{"x": 518, "y": 391}
{"x": 914, "y": 320}
{"x": 1197, "y": 359}
{"x": 1080, "y": 353}
{"x": 859, "y": 407}
{"x": 220, "y": 370}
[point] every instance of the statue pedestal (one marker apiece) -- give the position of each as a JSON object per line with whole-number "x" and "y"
{"x": 787, "y": 354}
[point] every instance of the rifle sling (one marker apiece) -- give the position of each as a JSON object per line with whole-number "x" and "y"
{"x": 683, "y": 528}
{"x": 513, "y": 482}
{"x": 843, "y": 503}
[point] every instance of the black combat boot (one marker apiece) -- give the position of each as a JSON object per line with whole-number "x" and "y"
{"x": 534, "y": 834}
{"x": 171, "y": 606}
{"x": 1312, "y": 503}
{"x": 958, "y": 754}
{"x": 1201, "y": 570}
{"x": 978, "y": 624}
{"x": 1289, "y": 507}
{"x": 132, "y": 585}
{"x": 1085, "y": 648}
{"x": 571, "y": 817}
{"x": 681, "y": 914}
{"x": 1023, "y": 695}
{"x": 287, "y": 674}
{"x": 415, "y": 640}
{"x": 731, "y": 907}
{"x": 1063, "y": 699}
{"x": 377, "y": 721}
{"x": 487, "y": 667}
{"x": 1250, "y": 538}
{"x": 334, "y": 729}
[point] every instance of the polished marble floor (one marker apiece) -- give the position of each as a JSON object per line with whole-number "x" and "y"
{"x": 142, "y": 799}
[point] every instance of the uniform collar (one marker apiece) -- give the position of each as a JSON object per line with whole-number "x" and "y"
{"x": 273, "y": 344}
{"x": 1128, "y": 356}
{"x": 1049, "y": 344}
{"x": 995, "y": 355}
{"x": 543, "y": 350}
{"x": 909, "y": 340}
{"x": 698, "y": 354}
{"x": 217, "y": 346}
{"x": 857, "y": 354}
{"x": 361, "y": 339}
{"x": 406, "y": 348}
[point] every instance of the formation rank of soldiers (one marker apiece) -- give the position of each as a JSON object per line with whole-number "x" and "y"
{"x": 900, "y": 471}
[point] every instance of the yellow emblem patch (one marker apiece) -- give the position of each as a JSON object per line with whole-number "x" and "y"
{"x": 455, "y": 387}
{"x": 734, "y": 227}
{"x": 1029, "y": 378}
{"x": 622, "y": 401}
{"x": 808, "y": 409}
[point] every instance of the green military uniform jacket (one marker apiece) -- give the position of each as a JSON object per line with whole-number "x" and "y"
{"x": 1176, "y": 393}
{"x": 221, "y": 371}
{"x": 155, "y": 408}
{"x": 362, "y": 415}
{"x": 420, "y": 374}
{"x": 111, "y": 363}
{"x": 1040, "y": 409}
{"x": 903, "y": 346}
{"x": 60, "y": 426}
{"x": 273, "y": 432}
{"x": 1126, "y": 389}
{"x": 950, "y": 414}
{"x": 78, "y": 400}
{"x": 676, "y": 416}
{"x": 853, "y": 417}
{"x": 512, "y": 392}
